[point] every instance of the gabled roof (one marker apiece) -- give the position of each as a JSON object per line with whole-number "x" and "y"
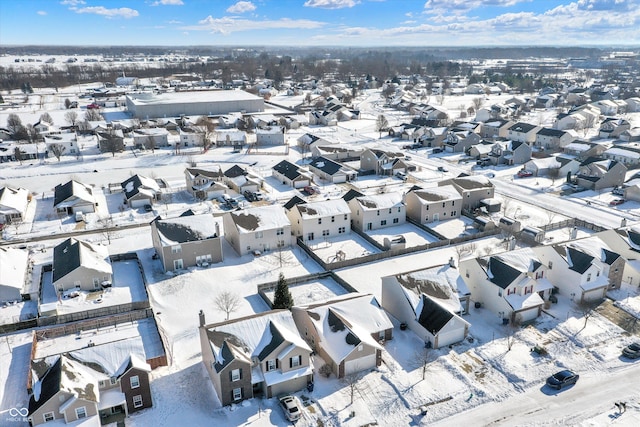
{"x": 551, "y": 132}
{"x": 522, "y": 127}
{"x": 295, "y": 200}
{"x": 380, "y": 201}
{"x": 72, "y": 253}
{"x": 13, "y": 200}
{"x": 437, "y": 194}
{"x": 327, "y": 166}
{"x": 187, "y": 228}
{"x": 578, "y": 260}
{"x": 140, "y": 184}
{"x": 63, "y": 192}
{"x": 206, "y": 173}
{"x": 431, "y": 315}
{"x": 259, "y": 218}
{"x": 351, "y": 194}
{"x": 235, "y": 171}
{"x": 13, "y": 267}
{"x": 322, "y": 209}
{"x": 287, "y": 169}
{"x": 501, "y": 273}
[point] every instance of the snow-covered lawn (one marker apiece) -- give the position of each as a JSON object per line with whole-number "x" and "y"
{"x": 312, "y": 292}
{"x": 413, "y": 235}
{"x": 352, "y": 245}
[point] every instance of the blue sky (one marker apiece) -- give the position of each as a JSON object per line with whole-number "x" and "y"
{"x": 321, "y": 22}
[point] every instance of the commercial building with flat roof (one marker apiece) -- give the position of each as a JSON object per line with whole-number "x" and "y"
{"x": 196, "y": 103}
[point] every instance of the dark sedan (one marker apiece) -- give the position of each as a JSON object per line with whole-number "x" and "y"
{"x": 632, "y": 351}
{"x": 562, "y": 379}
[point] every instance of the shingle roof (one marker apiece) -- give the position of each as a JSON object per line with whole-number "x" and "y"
{"x": 287, "y": 169}
{"x": 522, "y": 127}
{"x": 432, "y": 316}
{"x": 578, "y": 260}
{"x": 49, "y": 386}
{"x": 501, "y": 273}
{"x": 326, "y": 165}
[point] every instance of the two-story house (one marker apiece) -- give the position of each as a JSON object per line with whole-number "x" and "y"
{"x": 426, "y": 205}
{"x": 552, "y": 139}
{"x": 259, "y": 355}
{"x": 257, "y": 229}
{"x": 73, "y": 197}
{"x": 187, "y": 241}
{"x": 523, "y": 132}
{"x": 319, "y": 220}
{"x": 512, "y": 285}
{"x": 13, "y": 204}
{"x": 473, "y": 189}
{"x": 346, "y": 332}
{"x": 383, "y": 162}
{"x": 598, "y": 173}
{"x": 205, "y": 184}
{"x": 377, "y": 211}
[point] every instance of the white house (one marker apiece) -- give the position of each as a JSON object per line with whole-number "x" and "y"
{"x": 322, "y": 219}
{"x": 257, "y": 229}
{"x": 14, "y": 266}
{"x": 13, "y": 204}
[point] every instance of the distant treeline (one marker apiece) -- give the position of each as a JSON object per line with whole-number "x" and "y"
{"x": 350, "y": 65}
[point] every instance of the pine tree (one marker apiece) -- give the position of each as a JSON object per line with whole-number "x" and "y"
{"x": 282, "y": 298}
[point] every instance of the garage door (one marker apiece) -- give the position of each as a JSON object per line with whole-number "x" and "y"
{"x": 138, "y": 203}
{"x": 363, "y": 363}
{"x": 451, "y": 337}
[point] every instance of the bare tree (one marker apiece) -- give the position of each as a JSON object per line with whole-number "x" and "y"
{"x": 17, "y": 153}
{"x": 109, "y": 230}
{"x": 554, "y": 173}
{"x": 477, "y": 102}
{"x": 462, "y": 250}
{"x": 423, "y": 359}
{"x": 440, "y": 99}
{"x": 46, "y": 117}
{"x": 381, "y": 124}
{"x": 587, "y": 309}
{"x": 351, "y": 383}
{"x": 510, "y": 336}
{"x": 67, "y": 103}
{"x": 150, "y": 143}
{"x": 57, "y": 150}
{"x": 227, "y": 301}
{"x": 208, "y": 129}
{"x": 13, "y": 123}
{"x": 71, "y": 117}
{"x": 92, "y": 116}
{"x": 589, "y": 123}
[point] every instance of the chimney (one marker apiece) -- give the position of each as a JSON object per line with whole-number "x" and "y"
{"x": 452, "y": 263}
{"x": 201, "y": 316}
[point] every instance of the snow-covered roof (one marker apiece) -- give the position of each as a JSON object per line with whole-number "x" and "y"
{"x": 260, "y": 218}
{"x": 523, "y": 302}
{"x": 13, "y": 200}
{"x": 189, "y": 228}
{"x": 380, "y": 201}
{"x": 323, "y": 209}
{"x": 13, "y": 267}
{"x": 437, "y": 194}
{"x": 615, "y": 151}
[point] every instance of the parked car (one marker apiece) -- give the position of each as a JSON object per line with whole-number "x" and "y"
{"x": 92, "y": 106}
{"x": 147, "y": 208}
{"x": 524, "y": 173}
{"x": 442, "y": 169}
{"x": 250, "y": 196}
{"x": 632, "y": 351}
{"x": 309, "y": 190}
{"x": 616, "y": 202}
{"x": 79, "y": 216}
{"x": 617, "y": 191}
{"x": 437, "y": 150}
{"x": 290, "y": 407}
{"x": 401, "y": 175}
{"x": 562, "y": 379}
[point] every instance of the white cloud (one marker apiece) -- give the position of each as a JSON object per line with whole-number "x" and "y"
{"x": 228, "y": 25}
{"x": 331, "y": 4}
{"x": 242, "y": 7}
{"x": 41, "y": 12}
{"x": 460, "y": 6}
{"x": 167, "y": 3}
{"x": 72, "y": 2}
{"x": 122, "y": 12}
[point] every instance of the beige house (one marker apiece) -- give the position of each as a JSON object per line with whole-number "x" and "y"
{"x": 473, "y": 189}
{"x": 257, "y": 229}
{"x": 73, "y": 197}
{"x": 433, "y": 204}
{"x": 347, "y": 332}
{"x": 187, "y": 241}
{"x": 70, "y": 391}
{"x": 377, "y": 211}
{"x": 261, "y": 355}
{"x": 82, "y": 265}
{"x": 320, "y": 220}
{"x": 205, "y": 184}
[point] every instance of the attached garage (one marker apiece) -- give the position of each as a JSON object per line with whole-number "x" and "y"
{"x": 360, "y": 364}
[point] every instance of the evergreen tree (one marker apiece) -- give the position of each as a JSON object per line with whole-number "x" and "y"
{"x": 282, "y": 298}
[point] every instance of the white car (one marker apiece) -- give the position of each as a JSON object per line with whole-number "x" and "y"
{"x": 290, "y": 407}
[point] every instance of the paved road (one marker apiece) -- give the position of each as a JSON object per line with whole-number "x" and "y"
{"x": 590, "y": 401}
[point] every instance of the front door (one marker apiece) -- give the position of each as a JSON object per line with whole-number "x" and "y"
{"x": 177, "y": 264}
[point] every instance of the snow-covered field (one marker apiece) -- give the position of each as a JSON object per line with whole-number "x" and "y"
{"x": 494, "y": 374}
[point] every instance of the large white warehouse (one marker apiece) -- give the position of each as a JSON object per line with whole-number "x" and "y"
{"x": 197, "y": 103}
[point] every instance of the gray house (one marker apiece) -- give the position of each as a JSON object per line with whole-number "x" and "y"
{"x": 81, "y": 265}
{"x": 187, "y": 241}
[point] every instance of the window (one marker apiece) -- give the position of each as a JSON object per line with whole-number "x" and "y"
{"x": 200, "y": 259}
{"x": 399, "y": 210}
{"x": 237, "y": 394}
{"x": 81, "y": 412}
{"x": 589, "y": 277}
{"x": 319, "y": 220}
{"x": 550, "y": 265}
{"x": 346, "y": 217}
{"x": 137, "y": 401}
{"x": 176, "y": 249}
{"x": 443, "y": 204}
{"x": 389, "y": 210}
{"x": 454, "y": 213}
{"x": 271, "y": 365}
{"x": 378, "y": 213}
{"x": 296, "y": 361}
{"x": 325, "y": 232}
{"x": 466, "y": 273}
{"x": 248, "y": 248}
{"x": 341, "y": 230}
{"x": 427, "y": 208}
{"x": 48, "y": 416}
{"x": 396, "y": 220}
{"x": 236, "y": 375}
{"x": 279, "y": 231}
{"x": 113, "y": 380}
{"x": 333, "y": 219}
{"x": 135, "y": 381}
{"x": 259, "y": 234}
{"x": 500, "y": 292}
{"x": 453, "y": 203}
{"x": 383, "y": 222}
{"x": 280, "y": 244}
